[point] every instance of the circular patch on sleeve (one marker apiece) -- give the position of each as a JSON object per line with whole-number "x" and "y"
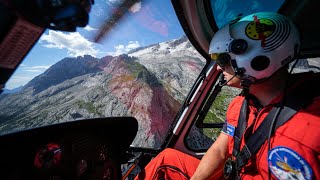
{"x": 285, "y": 163}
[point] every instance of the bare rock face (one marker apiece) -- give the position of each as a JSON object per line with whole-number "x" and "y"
{"x": 145, "y": 98}
{"x": 148, "y": 83}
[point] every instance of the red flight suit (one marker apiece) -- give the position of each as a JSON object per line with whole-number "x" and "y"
{"x": 294, "y": 152}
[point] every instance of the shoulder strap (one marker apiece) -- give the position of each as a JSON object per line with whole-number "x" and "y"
{"x": 258, "y": 138}
{"x": 242, "y": 124}
{"x": 294, "y": 101}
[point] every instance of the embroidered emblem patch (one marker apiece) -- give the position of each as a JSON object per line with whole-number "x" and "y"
{"x": 285, "y": 163}
{"x": 230, "y": 130}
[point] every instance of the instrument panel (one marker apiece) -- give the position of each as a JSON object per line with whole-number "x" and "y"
{"x": 82, "y": 149}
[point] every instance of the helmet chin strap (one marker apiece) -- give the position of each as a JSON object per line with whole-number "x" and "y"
{"x": 245, "y": 83}
{"x": 246, "y": 80}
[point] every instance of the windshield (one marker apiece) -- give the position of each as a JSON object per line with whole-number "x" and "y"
{"x": 225, "y": 11}
{"x": 144, "y": 67}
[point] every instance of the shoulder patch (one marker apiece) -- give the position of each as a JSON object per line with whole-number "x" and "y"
{"x": 230, "y": 129}
{"x": 285, "y": 163}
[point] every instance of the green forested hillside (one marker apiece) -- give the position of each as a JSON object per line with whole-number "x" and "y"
{"x": 216, "y": 114}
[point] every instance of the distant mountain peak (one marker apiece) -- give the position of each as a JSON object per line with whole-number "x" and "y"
{"x": 179, "y": 41}
{"x": 65, "y": 69}
{"x": 166, "y": 47}
{"x": 149, "y": 83}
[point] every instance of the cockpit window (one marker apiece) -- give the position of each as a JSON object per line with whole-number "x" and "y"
{"x": 144, "y": 67}
{"x": 225, "y": 11}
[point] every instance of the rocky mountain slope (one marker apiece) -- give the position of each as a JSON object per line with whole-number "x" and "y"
{"x": 148, "y": 83}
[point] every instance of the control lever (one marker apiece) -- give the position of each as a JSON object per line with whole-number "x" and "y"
{"x": 133, "y": 163}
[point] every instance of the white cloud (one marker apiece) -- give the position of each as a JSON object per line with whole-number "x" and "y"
{"x": 25, "y": 67}
{"x": 132, "y": 45}
{"x": 136, "y": 7}
{"x": 113, "y": 1}
{"x": 33, "y": 70}
{"x": 24, "y": 74}
{"x": 122, "y": 49}
{"x": 76, "y": 44}
{"x": 89, "y": 28}
{"x": 16, "y": 81}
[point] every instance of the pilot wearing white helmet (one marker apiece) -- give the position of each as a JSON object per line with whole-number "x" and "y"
{"x": 271, "y": 129}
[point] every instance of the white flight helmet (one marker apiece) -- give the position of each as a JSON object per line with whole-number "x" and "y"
{"x": 257, "y": 45}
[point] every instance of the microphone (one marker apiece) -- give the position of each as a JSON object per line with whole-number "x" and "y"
{"x": 238, "y": 71}
{"x": 223, "y": 82}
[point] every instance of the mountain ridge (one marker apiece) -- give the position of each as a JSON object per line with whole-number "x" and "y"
{"x": 149, "y": 84}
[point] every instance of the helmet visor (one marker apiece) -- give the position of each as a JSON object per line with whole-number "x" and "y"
{"x": 222, "y": 59}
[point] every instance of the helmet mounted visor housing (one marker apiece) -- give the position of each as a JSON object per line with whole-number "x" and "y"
{"x": 256, "y": 46}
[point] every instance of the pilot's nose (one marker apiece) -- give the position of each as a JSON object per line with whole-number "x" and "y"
{"x": 219, "y": 68}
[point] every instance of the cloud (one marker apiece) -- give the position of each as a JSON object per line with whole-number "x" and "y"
{"x": 89, "y": 28}
{"x": 76, "y": 44}
{"x": 16, "y": 81}
{"x": 36, "y": 69}
{"x": 132, "y": 45}
{"x": 33, "y": 70}
{"x": 136, "y": 7}
{"x": 25, "y": 67}
{"x": 24, "y": 74}
{"x": 122, "y": 49}
{"x": 114, "y": 2}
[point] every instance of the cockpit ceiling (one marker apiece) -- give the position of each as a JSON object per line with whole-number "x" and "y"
{"x": 199, "y": 23}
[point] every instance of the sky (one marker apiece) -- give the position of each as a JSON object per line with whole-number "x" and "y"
{"x": 146, "y": 23}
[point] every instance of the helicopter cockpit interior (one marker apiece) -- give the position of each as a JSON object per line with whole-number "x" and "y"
{"x": 89, "y": 113}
